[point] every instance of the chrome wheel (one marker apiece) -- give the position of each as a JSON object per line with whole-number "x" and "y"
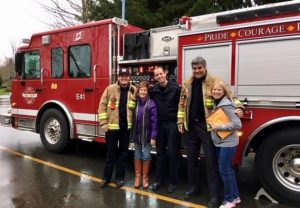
{"x": 52, "y": 131}
{"x": 286, "y": 166}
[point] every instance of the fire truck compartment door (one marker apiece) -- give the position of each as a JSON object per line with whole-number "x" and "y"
{"x": 164, "y": 37}
{"x": 217, "y": 56}
{"x": 269, "y": 71}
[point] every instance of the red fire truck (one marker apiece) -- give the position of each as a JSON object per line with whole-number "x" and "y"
{"x": 62, "y": 74}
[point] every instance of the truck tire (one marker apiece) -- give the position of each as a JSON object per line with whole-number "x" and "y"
{"x": 277, "y": 164}
{"x": 54, "y": 131}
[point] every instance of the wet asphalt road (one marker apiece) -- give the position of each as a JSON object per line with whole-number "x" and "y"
{"x": 32, "y": 177}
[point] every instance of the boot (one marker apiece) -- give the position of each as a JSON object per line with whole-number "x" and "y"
{"x": 138, "y": 172}
{"x": 146, "y": 167}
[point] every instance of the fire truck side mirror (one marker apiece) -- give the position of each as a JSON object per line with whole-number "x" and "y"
{"x": 18, "y": 62}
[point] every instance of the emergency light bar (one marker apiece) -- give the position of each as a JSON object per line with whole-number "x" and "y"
{"x": 26, "y": 41}
{"x": 46, "y": 40}
{"x": 119, "y": 21}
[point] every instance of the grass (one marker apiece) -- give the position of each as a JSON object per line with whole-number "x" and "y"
{"x": 2, "y": 92}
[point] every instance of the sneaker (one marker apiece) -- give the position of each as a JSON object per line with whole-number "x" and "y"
{"x": 237, "y": 200}
{"x": 226, "y": 204}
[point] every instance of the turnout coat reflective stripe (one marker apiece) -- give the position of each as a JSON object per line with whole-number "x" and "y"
{"x": 109, "y": 106}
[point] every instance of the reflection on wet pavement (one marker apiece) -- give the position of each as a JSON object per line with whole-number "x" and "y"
{"x": 32, "y": 177}
{"x": 84, "y": 178}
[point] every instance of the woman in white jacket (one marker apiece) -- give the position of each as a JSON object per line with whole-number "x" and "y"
{"x": 226, "y": 147}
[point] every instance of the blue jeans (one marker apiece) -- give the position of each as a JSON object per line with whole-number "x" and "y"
{"x": 139, "y": 154}
{"x": 226, "y": 155}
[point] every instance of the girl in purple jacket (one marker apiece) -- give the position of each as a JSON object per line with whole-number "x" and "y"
{"x": 143, "y": 133}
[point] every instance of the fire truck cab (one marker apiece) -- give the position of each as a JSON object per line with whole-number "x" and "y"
{"x": 61, "y": 75}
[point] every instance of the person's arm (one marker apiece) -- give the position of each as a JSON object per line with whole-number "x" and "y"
{"x": 235, "y": 121}
{"x": 181, "y": 113}
{"x": 178, "y": 92}
{"x": 153, "y": 123}
{"x": 240, "y": 109}
{"x": 103, "y": 110}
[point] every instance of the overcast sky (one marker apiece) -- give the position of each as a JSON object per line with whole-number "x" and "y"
{"x": 19, "y": 19}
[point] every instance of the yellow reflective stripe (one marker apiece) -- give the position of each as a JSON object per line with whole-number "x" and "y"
{"x": 109, "y": 104}
{"x": 185, "y": 126}
{"x": 129, "y": 125}
{"x": 209, "y": 102}
{"x": 208, "y": 128}
{"x": 237, "y": 102}
{"x": 180, "y": 114}
{"x": 113, "y": 126}
{"x": 131, "y": 104}
{"x": 102, "y": 116}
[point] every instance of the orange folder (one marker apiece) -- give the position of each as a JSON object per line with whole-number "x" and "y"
{"x": 219, "y": 117}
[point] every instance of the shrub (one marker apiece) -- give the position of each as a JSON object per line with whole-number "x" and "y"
{"x": 1, "y": 80}
{"x": 7, "y": 90}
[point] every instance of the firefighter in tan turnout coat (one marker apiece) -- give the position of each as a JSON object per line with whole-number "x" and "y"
{"x": 208, "y": 101}
{"x": 116, "y": 109}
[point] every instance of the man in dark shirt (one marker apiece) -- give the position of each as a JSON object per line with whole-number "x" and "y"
{"x": 166, "y": 96}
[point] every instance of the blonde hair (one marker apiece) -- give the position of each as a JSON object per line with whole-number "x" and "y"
{"x": 223, "y": 86}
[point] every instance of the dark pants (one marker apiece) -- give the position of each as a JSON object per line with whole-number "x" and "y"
{"x": 112, "y": 138}
{"x": 196, "y": 136}
{"x": 167, "y": 146}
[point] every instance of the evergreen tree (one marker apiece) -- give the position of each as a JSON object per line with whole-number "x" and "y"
{"x": 158, "y": 13}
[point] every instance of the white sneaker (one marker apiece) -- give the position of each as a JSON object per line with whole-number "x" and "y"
{"x": 227, "y": 204}
{"x": 237, "y": 200}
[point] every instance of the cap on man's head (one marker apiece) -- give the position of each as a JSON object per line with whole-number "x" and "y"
{"x": 124, "y": 71}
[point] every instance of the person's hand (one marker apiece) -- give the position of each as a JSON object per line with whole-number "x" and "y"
{"x": 153, "y": 142}
{"x": 180, "y": 128}
{"x": 105, "y": 127}
{"x": 131, "y": 146}
{"x": 239, "y": 112}
{"x": 213, "y": 126}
